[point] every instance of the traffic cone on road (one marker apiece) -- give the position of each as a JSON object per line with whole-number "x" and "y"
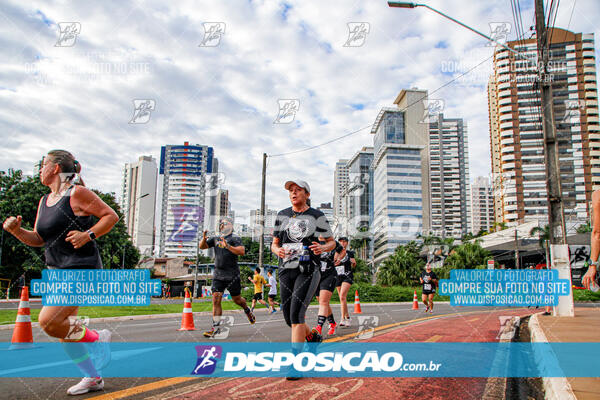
{"x": 187, "y": 318}
{"x": 357, "y": 309}
{"x": 415, "y": 302}
{"x": 23, "y": 335}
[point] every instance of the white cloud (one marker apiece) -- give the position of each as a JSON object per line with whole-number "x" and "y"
{"x": 80, "y": 97}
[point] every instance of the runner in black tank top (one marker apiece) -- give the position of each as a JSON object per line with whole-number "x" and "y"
{"x": 64, "y": 226}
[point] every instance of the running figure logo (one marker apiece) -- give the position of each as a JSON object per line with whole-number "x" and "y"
{"x": 287, "y": 110}
{"x": 207, "y": 359}
{"x": 187, "y": 219}
{"x": 499, "y": 31}
{"x": 357, "y": 33}
{"x": 366, "y": 326}
{"x": 213, "y": 31}
{"x": 67, "y": 34}
{"x": 142, "y": 110}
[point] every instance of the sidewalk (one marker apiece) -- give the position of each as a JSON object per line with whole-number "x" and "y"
{"x": 584, "y": 327}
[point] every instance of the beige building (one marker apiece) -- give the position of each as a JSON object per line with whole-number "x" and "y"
{"x": 516, "y": 137}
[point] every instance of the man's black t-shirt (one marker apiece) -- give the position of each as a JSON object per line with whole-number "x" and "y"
{"x": 327, "y": 264}
{"x": 298, "y": 229}
{"x": 428, "y": 278}
{"x": 226, "y": 263}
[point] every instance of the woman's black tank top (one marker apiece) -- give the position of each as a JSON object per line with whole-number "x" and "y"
{"x": 53, "y": 225}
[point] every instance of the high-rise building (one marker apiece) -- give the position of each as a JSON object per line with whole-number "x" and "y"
{"x": 401, "y": 173}
{"x": 183, "y": 173}
{"x": 327, "y": 210}
{"x": 360, "y": 189}
{"x": 138, "y": 202}
{"x": 340, "y": 182}
{"x": 449, "y": 174}
{"x": 518, "y": 163}
{"x": 270, "y": 217}
{"x": 482, "y": 200}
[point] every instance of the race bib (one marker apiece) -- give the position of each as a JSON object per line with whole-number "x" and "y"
{"x": 323, "y": 266}
{"x": 292, "y": 251}
{"x": 340, "y": 269}
{"x": 427, "y": 286}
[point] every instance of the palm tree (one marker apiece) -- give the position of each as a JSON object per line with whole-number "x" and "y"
{"x": 402, "y": 267}
{"x": 496, "y": 225}
{"x": 543, "y": 239}
{"x": 469, "y": 255}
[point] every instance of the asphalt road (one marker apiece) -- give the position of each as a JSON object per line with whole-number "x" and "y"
{"x": 268, "y": 328}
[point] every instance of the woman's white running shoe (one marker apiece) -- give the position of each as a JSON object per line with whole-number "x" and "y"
{"x": 86, "y": 385}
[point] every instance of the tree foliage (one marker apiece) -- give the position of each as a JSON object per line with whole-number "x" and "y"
{"x": 403, "y": 267}
{"x": 469, "y": 255}
{"x": 20, "y": 195}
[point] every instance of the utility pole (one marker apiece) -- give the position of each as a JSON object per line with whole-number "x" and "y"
{"x": 517, "y": 260}
{"x": 261, "y": 243}
{"x": 555, "y": 204}
{"x": 559, "y": 251}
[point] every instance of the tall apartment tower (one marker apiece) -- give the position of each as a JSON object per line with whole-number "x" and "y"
{"x": 340, "y": 183}
{"x": 449, "y": 169}
{"x": 401, "y": 173}
{"x": 516, "y": 136}
{"x": 482, "y": 201}
{"x": 138, "y": 202}
{"x": 360, "y": 189}
{"x": 183, "y": 173}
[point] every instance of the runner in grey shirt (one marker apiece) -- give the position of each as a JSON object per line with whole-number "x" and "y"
{"x": 226, "y": 273}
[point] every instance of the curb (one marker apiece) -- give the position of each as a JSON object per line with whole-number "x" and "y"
{"x": 555, "y": 388}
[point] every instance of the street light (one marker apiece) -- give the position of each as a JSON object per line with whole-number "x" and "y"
{"x": 404, "y": 4}
{"x": 127, "y": 212}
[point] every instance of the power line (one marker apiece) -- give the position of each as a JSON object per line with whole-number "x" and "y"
{"x": 402, "y": 110}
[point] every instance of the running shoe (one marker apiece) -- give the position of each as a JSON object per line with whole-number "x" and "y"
{"x": 343, "y": 322}
{"x": 86, "y": 385}
{"x": 427, "y": 309}
{"x": 213, "y": 332}
{"x": 332, "y": 328}
{"x": 319, "y": 329}
{"x": 273, "y": 311}
{"x": 314, "y": 336}
{"x": 250, "y": 316}
{"x": 100, "y": 349}
{"x": 347, "y": 323}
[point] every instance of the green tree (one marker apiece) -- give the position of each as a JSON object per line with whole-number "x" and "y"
{"x": 403, "y": 267}
{"x": 498, "y": 226}
{"x": 362, "y": 271}
{"x": 543, "y": 237}
{"x": 469, "y": 255}
{"x": 20, "y": 195}
{"x": 584, "y": 228}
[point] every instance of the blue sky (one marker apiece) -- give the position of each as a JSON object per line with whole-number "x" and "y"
{"x": 80, "y": 97}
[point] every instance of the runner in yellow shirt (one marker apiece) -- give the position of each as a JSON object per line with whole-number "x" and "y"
{"x": 259, "y": 282}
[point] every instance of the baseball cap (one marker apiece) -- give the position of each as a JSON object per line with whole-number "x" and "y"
{"x": 298, "y": 182}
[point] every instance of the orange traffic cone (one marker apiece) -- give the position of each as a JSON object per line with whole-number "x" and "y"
{"x": 187, "y": 318}
{"x": 22, "y": 335}
{"x": 415, "y": 302}
{"x": 357, "y": 309}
